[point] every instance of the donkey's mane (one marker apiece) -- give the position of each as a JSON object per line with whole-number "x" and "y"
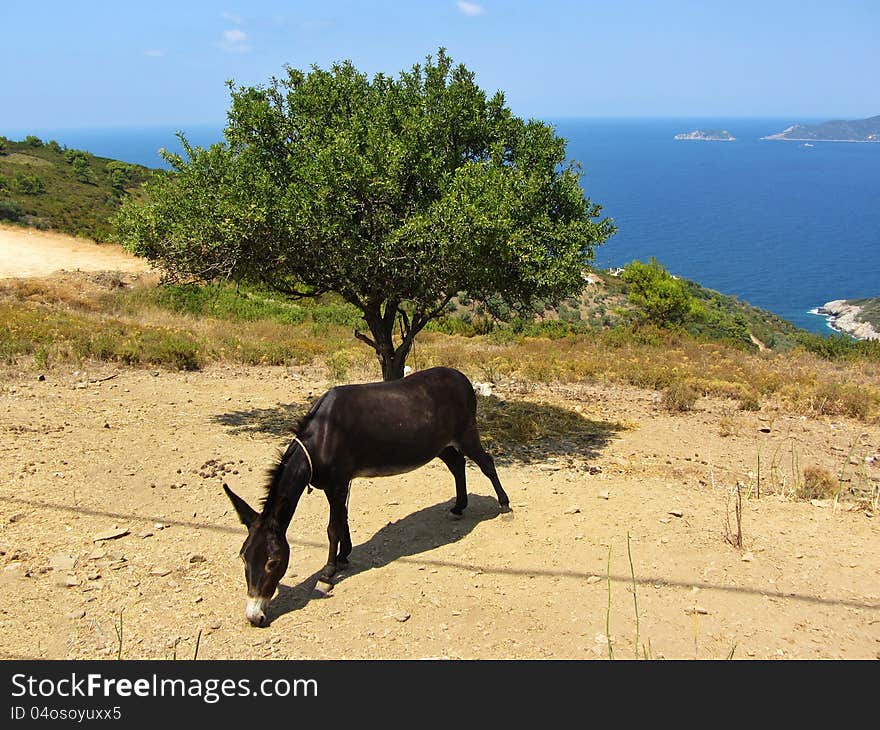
{"x": 273, "y": 476}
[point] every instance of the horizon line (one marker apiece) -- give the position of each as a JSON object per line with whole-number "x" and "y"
{"x": 182, "y": 127}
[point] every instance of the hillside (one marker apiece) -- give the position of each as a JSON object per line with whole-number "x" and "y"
{"x": 605, "y": 304}
{"x": 838, "y": 130}
{"x": 47, "y": 186}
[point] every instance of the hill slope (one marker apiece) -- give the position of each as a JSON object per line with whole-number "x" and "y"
{"x": 50, "y": 187}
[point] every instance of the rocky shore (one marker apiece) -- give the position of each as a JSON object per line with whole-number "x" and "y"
{"x": 843, "y": 316}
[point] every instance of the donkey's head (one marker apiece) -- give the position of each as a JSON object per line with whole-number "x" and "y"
{"x": 265, "y": 554}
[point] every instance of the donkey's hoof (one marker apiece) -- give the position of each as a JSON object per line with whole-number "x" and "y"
{"x": 323, "y": 588}
{"x": 454, "y": 516}
{"x": 504, "y": 508}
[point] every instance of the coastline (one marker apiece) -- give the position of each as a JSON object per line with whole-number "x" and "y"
{"x": 843, "y": 317}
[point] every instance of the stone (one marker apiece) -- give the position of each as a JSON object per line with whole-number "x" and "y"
{"x": 604, "y": 494}
{"x": 62, "y": 561}
{"x": 197, "y": 559}
{"x": 111, "y": 534}
{"x": 74, "y": 615}
{"x": 160, "y": 572}
{"x": 676, "y": 513}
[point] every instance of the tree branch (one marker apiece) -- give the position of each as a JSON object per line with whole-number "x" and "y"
{"x": 363, "y": 338}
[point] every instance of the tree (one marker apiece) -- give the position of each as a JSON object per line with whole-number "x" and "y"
{"x": 662, "y": 299}
{"x": 396, "y": 193}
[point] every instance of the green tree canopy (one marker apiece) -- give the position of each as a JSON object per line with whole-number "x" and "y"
{"x": 396, "y": 193}
{"x": 662, "y": 299}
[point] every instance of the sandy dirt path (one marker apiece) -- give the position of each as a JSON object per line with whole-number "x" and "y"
{"x": 26, "y": 252}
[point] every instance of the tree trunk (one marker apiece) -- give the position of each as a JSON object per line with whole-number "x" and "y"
{"x": 391, "y": 359}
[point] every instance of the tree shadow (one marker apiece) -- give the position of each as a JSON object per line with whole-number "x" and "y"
{"x": 277, "y": 421}
{"x": 513, "y": 431}
{"x": 419, "y": 532}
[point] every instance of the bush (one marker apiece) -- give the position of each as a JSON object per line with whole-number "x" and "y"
{"x": 661, "y": 299}
{"x": 27, "y": 184}
{"x": 10, "y": 210}
{"x": 680, "y": 397}
{"x": 749, "y": 402}
{"x": 819, "y": 483}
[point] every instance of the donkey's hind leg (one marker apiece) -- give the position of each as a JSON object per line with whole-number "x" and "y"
{"x": 453, "y": 458}
{"x": 472, "y": 447}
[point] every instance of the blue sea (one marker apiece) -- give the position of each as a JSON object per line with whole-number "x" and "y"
{"x": 782, "y": 226}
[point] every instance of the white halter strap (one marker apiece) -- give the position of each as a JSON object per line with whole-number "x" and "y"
{"x": 308, "y": 459}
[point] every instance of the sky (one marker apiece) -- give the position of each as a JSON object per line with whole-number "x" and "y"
{"x": 68, "y": 64}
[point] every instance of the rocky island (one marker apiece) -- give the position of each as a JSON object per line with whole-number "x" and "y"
{"x": 856, "y": 317}
{"x": 859, "y": 130}
{"x": 710, "y": 135}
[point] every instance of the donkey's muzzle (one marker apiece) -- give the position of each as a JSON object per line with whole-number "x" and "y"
{"x": 256, "y": 611}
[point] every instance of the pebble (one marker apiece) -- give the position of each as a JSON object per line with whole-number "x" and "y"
{"x": 697, "y": 610}
{"x": 197, "y": 559}
{"x": 401, "y": 616}
{"x": 160, "y": 572}
{"x": 748, "y": 557}
{"x": 572, "y": 511}
{"x": 145, "y": 534}
{"x": 593, "y": 579}
{"x": 69, "y": 581}
{"x": 604, "y": 494}
{"x": 73, "y": 615}
{"x": 676, "y": 513}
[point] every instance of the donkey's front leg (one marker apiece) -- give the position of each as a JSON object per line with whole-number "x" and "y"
{"x": 337, "y": 531}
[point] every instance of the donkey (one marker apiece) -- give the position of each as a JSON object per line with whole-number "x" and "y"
{"x": 369, "y": 430}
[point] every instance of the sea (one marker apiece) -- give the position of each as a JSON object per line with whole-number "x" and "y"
{"x": 782, "y": 225}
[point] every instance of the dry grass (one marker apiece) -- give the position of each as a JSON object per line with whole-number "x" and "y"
{"x": 76, "y": 316}
{"x": 818, "y": 483}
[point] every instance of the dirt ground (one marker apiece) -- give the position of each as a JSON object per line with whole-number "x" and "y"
{"x": 625, "y": 539}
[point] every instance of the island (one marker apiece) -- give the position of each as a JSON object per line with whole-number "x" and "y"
{"x": 857, "y": 317}
{"x": 858, "y": 130}
{"x": 709, "y": 135}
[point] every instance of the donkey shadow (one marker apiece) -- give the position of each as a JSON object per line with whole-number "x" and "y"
{"x": 419, "y": 532}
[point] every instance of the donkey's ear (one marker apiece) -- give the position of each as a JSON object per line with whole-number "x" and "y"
{"x": 246, "y": 513}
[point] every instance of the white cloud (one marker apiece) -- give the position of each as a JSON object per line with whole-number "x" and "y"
{"x": 470, "y": 8}
{"x": 154, "y": 53}
{"x": 233, "y": 18}
{"x": 235, "y": 41}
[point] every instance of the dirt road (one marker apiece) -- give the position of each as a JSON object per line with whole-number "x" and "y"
{"x": 28, "y": 252}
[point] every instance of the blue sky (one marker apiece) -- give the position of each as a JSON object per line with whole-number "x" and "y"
{"x": 85, "y": 63}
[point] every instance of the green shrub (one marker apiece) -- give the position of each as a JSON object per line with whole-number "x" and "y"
{"x": 661, "y": 299}
{"x": 10, "y": 210}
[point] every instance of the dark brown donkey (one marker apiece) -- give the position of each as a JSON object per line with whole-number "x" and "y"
{"x": 376, "y": 429}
